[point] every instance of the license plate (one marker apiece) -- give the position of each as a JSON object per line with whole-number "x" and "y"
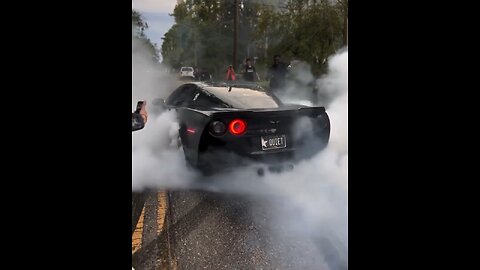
{"x": 273, "y": 142}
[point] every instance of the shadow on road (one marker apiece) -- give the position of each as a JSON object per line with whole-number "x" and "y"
{"x": 161, "y": 245}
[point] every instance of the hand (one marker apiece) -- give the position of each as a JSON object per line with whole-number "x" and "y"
{"x": 143, "y": 112}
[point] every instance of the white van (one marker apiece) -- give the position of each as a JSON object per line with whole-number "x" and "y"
{"x": 187, "y": 72}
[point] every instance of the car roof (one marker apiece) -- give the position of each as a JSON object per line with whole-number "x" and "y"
{"x": 240, "y": 94}
{"x": 236, "y": 84}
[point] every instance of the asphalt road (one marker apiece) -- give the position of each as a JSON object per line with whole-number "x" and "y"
{"x": 206, "y": 230}
{"x": 203, "y": 230}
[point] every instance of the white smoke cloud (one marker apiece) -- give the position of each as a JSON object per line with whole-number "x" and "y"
{"x": 299, "y": 86}
{"x": 156, "y": 160}
{"x": 316, "y": 190}
{"x": 335, "y": 84}
{"x": 150, "y": 80}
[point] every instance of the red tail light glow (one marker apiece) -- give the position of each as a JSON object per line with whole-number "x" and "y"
{"x": 191, "y": 130}
{"x": 237, "y": 127}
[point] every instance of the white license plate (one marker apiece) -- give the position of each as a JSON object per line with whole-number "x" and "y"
{"x": 273, "y": 142}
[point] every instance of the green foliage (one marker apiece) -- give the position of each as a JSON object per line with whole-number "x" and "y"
{"x": 303, "y": 30}
{"x": 139, "y": 25}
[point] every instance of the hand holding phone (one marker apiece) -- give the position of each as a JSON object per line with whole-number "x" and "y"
{"x": 139, "y": 106}
{"x": 141, "y": 110}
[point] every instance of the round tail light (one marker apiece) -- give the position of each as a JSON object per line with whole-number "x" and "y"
{"x": 217, "y": 128}
{"x": 237, "y": 127}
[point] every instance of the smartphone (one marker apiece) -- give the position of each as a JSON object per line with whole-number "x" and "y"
{"x": 139, "y": 106}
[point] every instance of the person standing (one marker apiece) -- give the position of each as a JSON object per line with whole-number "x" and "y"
{"x": 230, "y": 73}
{"x": 250, "y": 74}
{"x": 277, "y": 73}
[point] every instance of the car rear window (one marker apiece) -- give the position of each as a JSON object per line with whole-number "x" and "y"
{"x": 245, "y": 98}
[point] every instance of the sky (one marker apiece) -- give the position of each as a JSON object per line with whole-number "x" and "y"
{"x": 156, "y": 13}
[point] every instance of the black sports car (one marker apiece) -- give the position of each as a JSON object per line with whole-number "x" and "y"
{"x": 224, "y": 125}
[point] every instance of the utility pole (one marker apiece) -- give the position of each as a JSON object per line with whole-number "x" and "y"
{"x": 235, "y": 30}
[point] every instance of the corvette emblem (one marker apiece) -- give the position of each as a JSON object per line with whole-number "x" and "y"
{"x": 267, "y": 131}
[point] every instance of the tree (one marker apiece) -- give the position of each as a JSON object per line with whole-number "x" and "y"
{"x": 139, "y": 25}
{"x": 343, "y": 6}
{"x": 297, "y": 29}
{"x": 303, "y": 30}
{"x": 200, "y": 36}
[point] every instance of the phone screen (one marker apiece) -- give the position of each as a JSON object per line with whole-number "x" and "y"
{"x": 139, "y": 106}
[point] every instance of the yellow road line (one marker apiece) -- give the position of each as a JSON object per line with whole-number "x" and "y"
{"x": 137, "y": 234}
{"x": 162, "y": 206}
{"x": 161, "y": 211}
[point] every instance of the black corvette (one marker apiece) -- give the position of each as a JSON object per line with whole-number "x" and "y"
{"x": 228, "y": 125}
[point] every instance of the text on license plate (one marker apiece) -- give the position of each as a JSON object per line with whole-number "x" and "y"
{"x": 273, "y": 142}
